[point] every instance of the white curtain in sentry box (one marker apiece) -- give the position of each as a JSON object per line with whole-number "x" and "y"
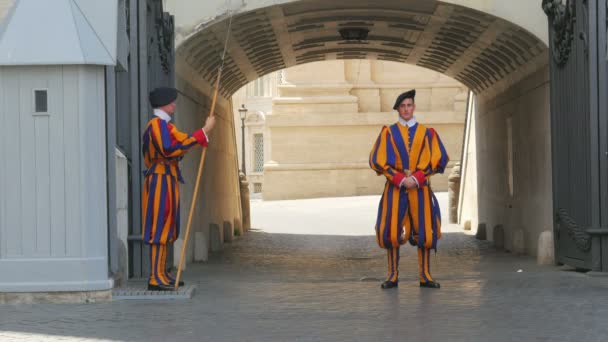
{"x": 45, "y": 32}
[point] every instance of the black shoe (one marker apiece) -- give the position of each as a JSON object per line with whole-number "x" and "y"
{"x": 430, "y": 284}
{"x": 181, "y": 283}
{"x": 160, "y": 288}
{"x": 389, "y": 284}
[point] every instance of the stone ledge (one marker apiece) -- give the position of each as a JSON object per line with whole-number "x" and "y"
{"x": 331, "y": 99}
{"x": 411, "y": 85}
{"x": 77, "y": 297}
{"x": 272, "y": 166}
{"x": 596, "y": 274}
{"x": 138, "y": 293}
{"x": 337, "y": 118}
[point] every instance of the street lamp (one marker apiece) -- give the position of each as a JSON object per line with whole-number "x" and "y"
{"x": 243, "y": 114}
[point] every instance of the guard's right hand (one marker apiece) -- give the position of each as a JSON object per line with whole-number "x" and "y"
{"x": 209, "y": 124}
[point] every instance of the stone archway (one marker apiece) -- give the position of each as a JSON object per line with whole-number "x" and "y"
{"x": 502, "y": 62}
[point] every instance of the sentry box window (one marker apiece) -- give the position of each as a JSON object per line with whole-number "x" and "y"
{"x": 41, "y": 102}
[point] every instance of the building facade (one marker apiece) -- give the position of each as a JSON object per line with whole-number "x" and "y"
{"x": 257, "y": 98}
{"x": 309, "y": 129}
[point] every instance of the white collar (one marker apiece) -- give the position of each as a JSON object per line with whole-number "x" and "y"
{"x": 161, "y": 114}
{"x": 410, "y": 123}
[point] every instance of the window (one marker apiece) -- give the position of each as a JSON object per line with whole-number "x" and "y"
{"x": 40, "y": 101}
{"x": 257, "y": 188}
{"x": 258, "y": 152}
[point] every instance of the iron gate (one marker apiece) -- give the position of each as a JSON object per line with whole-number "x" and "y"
{"x": 579, "y": 126}
{"x": 149, "y": 62}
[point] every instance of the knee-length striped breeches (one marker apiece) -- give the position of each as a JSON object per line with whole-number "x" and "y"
{"x": 160, "y": 209}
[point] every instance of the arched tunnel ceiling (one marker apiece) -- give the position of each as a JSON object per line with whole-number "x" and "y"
{"x": 474, "y": 48}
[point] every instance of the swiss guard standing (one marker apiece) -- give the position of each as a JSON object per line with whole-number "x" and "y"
{"x": 163, "y": 148}
{"x": 408, "y": 154}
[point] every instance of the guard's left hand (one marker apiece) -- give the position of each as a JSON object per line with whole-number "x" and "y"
{"x": 209, "y": 124}
{"x": 410, "y": 183}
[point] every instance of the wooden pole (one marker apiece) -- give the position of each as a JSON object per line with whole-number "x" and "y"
{"x": 203, "y": 154}
{"x": 196, "y": 186}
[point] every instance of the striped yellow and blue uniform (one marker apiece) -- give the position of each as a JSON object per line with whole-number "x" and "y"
{"x": 408, "y": 215}
{"x": 163, "y": 148}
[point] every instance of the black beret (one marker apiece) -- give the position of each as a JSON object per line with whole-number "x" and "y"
{"x": 162, "y": 96}
{"x": 407, "y": 95}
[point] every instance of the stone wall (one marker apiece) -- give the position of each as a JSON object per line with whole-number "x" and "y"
{"x": 510, "y": 159}
{"x": 122, "y": 217}
{"x": 219, "y": 197}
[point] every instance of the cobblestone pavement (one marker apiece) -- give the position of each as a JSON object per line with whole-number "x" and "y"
{"x": 308, "y": 283}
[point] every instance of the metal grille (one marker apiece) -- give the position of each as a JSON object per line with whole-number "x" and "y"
{"x": 574, "y": 204}
{"x": 258, "y": 145}
{"x": 257, "y": 188}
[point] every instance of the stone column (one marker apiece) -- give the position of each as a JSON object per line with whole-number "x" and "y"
{"x": 245, "y": 202}
{"x": 454, "y": 192}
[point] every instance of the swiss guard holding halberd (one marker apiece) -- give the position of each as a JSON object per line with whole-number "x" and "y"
{"x": 408, "y": 154}
{"x": 163, "y": 147}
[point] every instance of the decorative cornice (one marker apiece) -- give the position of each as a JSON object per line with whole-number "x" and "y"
{"x": 579, "y": 235}
{"x": 562, "y": 15}
{"x": 164, "y": 39}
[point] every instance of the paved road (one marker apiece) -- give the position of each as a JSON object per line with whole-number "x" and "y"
{"x": 311, "y": 272}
